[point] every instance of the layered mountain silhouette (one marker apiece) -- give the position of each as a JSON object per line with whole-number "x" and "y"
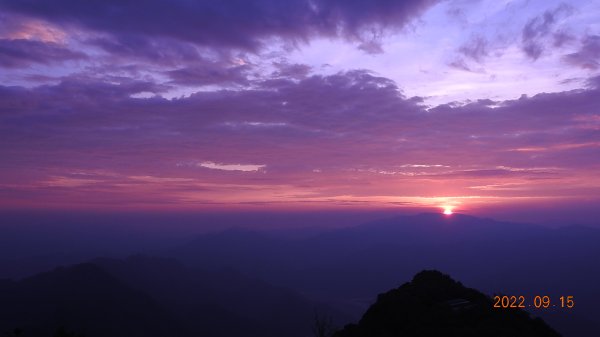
{"x": 98, "y": 299}
{"x": 143, "y": 296}
{"x": 433, "y": 304}
{"x": 258, "y": 283}
{"x": 349, "y": 266}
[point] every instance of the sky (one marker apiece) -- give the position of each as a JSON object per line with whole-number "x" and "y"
{"x": 483, "y": 106}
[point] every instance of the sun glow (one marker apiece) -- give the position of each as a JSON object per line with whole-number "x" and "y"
{"x": 448, "y": 210}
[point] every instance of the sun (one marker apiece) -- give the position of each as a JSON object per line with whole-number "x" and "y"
{"x": 448, "y": 210}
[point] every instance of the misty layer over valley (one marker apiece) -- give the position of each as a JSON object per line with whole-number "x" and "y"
{"x": 114, "y": 279}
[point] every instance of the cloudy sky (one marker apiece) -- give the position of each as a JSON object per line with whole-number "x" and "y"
{"x": 481, "y": 105}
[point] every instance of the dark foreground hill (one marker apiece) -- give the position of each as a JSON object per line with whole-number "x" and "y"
{"x": 433, "y": 304}
{"x": 86, "y": 299}
{"x": 143, "y": 296}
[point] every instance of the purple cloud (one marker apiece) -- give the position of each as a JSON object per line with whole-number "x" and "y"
{"x": 287, "y": 70}
{"x": 238, "y": 24}
{"x": 162, "y": 52}
{"x": 371, "y": 47}
{"x": 562, "y": 38}
{"x": 460, "y": 64}
{"x": 588, "y": 56}
{"x": 351, "y": 124}
{"x": 267, "y": 128}
{"x": 477, "y": 48}
{"x": 21, "y": 53}
{"x": 354, "y": 106}
{"x": 594, "y": 82}
{"x": 537, "y": 29}
{"x": 209, "y": 73}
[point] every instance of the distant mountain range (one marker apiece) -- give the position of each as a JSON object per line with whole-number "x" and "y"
{"x": 264, "y": 284}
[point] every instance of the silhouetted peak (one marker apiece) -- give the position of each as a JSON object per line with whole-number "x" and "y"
{"x": 431, "y": 287}
{"x": 432, "y": 215}
{"x": 454, "y": 217}
{"x": 79, "y": 273}
{"x": 433, "y": 304}
{"x": 433, "y": 278}
{"x": 240, "y": 231}
{"x": 83, "y": 269}
{"x": 429, "y": 220}
{"x": 232, "y": 236}
{"x": 140, "y": 260}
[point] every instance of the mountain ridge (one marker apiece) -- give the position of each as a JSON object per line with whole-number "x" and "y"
{"x": 433, "y": 304}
